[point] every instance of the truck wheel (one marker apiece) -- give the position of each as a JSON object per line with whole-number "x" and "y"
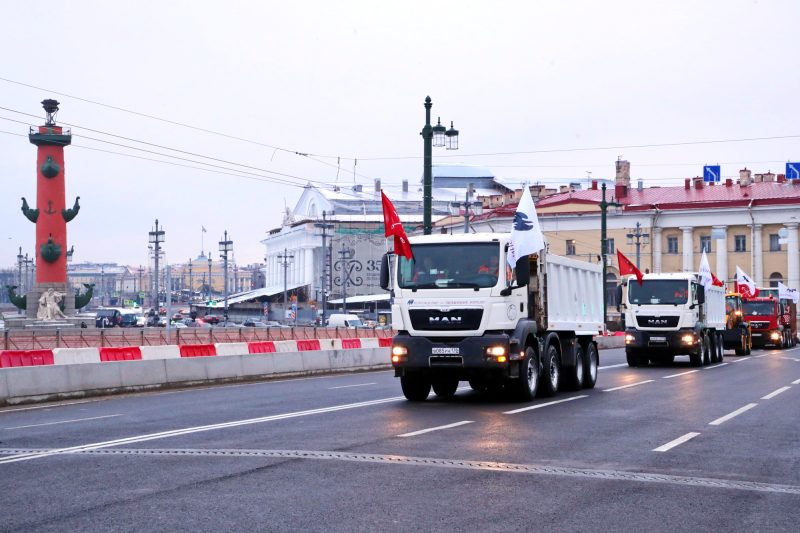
{"x": 712, "y": 342}
{"x": 577, "y": 373}
{"x": 720, "y": 348}
{"x": 551, "y": 371}
{"x": 527, "y": 384}
{"x": 415, "y": 388}
{"x": 632, "y": 358}
{"x": 742, "y": 348}
{"x": 445, "y": 387}
{"x": 706, "y": 349}
{"x": 749, "y": 344}
{"x": 696, "y": 358}
{"x": 590, "y": 369}
{"x": 478, "y": 385}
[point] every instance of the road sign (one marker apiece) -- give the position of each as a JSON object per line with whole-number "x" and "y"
{"x": 792, "y": 171}
{"x": 711, "y": 173}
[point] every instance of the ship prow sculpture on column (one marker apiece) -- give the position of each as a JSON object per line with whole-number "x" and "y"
{"x": 50, "y": 302}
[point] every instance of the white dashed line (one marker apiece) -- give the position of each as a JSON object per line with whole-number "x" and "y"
{"x": 680, "y": 440}
{"x": 629, "y": 385}
{"x": 681, "y": 374}
{"x": 437, "y": 428}
{"x": 532, "y": 407}
{"x": 796, "y": 382}
{"x": 737, "y": 412}
{"x": 760, "y": 356}
{"x": 775, "y": 393}
{"x": 740, "y": 359}
{"x": 715, "y": 366}
{"x": 63, "y": 422}
{"x": 348, "y": 386}
{"x": 611, "y": 366}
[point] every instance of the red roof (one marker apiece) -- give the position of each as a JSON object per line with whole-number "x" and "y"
{"x": 672, "y": 198}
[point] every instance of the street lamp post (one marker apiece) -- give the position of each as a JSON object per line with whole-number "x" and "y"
{"x": 225, "y": 247}
{"x": 641, "y": 238}
{"x": 324, "y": 226}
{"x": 604, "y": 205}
{"x": 345, "y": 253}
{"x": 156, "y": 238}
{"x": 209, "y": 276}
{"x": 432, "y": 136}
{"x": 102, "y": 287}
{"x": 476, "y": 207}
{"x": 284, "y": 261}
{"x": 20, "y": 259}
{"x": 191, "y": 284}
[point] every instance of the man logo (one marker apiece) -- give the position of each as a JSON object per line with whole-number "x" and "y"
{"x": 657, "y": 321}
{"x": 444, "y": 320}
{"x": 522, "y": 222}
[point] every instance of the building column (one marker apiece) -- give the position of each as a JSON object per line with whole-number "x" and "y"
{"x": 656, "y": 250}
{"x": 793, "y": 259}
{"x": 309, "y": 275}
{"x": 722, "y": 253}
{"x": 688, "y": 249}
{"x": 758, "y": 256}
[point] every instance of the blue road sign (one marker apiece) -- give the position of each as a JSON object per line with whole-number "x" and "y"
{"x": 711, "y": 173}
{"x": 793, "y": 171}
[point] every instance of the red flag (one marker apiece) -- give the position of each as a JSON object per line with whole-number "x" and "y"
{"x": 393, "y": 226}
{"x": 626, "y": 267}
{"x": 716, "y": 282}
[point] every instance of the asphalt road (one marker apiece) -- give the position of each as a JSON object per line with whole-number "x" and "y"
{"x": 668, "y": 448}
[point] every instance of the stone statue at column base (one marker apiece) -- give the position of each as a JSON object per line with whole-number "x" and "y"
{"x": 49, "y": 305}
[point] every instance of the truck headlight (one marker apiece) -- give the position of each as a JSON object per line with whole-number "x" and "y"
{"x": 629, "y": 338}
{"x": 775, "y": 335}
{"x": 688, "y": 338}
{"x": 496, "y": 351}
{"x": 399, "y": 353}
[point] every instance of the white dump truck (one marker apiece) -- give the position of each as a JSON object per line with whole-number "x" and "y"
{"x": 673, "y": 314}
{"x": 463, "y": 315}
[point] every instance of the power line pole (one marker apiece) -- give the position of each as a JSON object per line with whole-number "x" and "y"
{"x": 604, "y": 205}
{"x": 325, "y": 227}
{"x": 225, "y": 246}
{"x": 191, "y": 281}
{"x": 284, "y": 260}
{"x": 156, "y": 238}
{"x": 641, "y": 238}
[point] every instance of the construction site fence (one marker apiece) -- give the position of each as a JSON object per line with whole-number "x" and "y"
{"x": 99, "y": 338}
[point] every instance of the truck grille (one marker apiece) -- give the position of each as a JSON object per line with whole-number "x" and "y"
{"x": 646, "y": 321}
{"x": 453, "y": 320}
{"x": 759, "y": 325}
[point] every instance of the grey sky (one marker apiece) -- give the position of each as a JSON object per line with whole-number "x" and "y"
{"x": 348, "y": 79}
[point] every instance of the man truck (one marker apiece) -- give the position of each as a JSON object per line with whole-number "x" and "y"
{"x": 461, "y": 314}
{"x": 673, "y": 314}
{"x": 787, "y": 316}
{"x": 774, "y": 321}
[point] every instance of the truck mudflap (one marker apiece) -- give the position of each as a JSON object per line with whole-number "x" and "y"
{"x": 684, "y": 341}
{"x": 462, "y": 356}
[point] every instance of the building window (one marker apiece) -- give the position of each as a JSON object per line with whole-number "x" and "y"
{"x": 775, "y": 278}
{"x": 774, "y": 243}
{"x": 705, "y": 243}
{"x": 740, "y": 243}
{"x": 672, "y": 245}
{"x": 570, "y": 246}
{"x": 609, "y": 246}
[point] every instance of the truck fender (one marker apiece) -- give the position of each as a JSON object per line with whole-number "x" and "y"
{"x": 525, "y": 330}
{"x": 552, "y": 338}
{"x": 567, "y": 350}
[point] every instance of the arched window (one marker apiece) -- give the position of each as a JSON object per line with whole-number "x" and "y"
{"x": 312, "y": 210}
{"x": 774, "y": 278}
{"x": 611, "y": 289}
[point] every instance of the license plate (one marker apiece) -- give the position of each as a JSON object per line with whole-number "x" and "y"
{"x": 658, "y": 339}
{"x": 445, "y": 350}
{"x": 756, "y": 334}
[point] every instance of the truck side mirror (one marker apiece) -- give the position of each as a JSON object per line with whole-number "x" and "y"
{"x": 385, "y": 272}
{"x": 523, "y": 271}
{"x": 701, "y": 294}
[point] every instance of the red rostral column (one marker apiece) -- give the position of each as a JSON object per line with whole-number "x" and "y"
{"x": 51, "y": 214}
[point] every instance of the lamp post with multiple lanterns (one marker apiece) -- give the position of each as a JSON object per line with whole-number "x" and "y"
{"x": 432, "y": 136}
{"x": 225, "y": 247}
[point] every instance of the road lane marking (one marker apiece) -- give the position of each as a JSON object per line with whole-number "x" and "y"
{"x": 715, "y": 366}
{"x": 196, "y": 429}
{"x": 50, "y": 405}
{"x": 531, "y": 469}
{"x": 348, "y": 386}
{"x": 791, "y": 358}
{"x": 737, "y": 412}
{"x": 437, "y": 428}
{"x": 680, "y": 440}
{"x": 759, "y": 356}
{"x": 775, "y": 393}
{"x": 740, "y": 359}
{"x": 539, "y": 406}
{"x": 629, "y": 385}
{"x": 681, "y": 374}
{"x": 611, "y": 366}
{"x": 63, "y": 422}
{"x": 796, "y": 382}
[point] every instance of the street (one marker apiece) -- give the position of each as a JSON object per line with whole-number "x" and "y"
{"x": 655, "y": 448}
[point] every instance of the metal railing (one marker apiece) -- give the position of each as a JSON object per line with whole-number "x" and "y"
{"x": 99, "y": 338}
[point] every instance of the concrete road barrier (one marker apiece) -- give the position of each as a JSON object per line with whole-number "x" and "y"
{"x": 72, "y": 356}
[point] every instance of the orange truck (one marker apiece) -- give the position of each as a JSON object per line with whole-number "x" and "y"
{"x": 737, "y": 335}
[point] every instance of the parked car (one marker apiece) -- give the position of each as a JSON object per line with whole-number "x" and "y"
{"x": 254, "y": 324}
{"x": 211, "y": 319}
{"x": 108, "y": 317}
{"x": 341, "y": 320}
{"x": 130, "y": 319}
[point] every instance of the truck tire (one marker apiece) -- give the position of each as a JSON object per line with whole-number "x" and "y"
{"x": 706, "y": 350}
{"x": 712, "y": 341}
{"x": 445, "y": 387}
{"x": 749, "y": 343}
{"x": 696, "y": 358}
{"x": 551, "y": 371}
{"x": 742, "y": 348}
{"x": 415, "y": 387}
{"x": 527, "y": 384}
{"x": 720, "y": 348}
{"x": 632, "y": 357}
{"x": 478, "y": 385}
{"x": 590, "y": 368}
{"x": 577, "y": 372}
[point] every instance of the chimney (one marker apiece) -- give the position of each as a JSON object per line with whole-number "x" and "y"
{"x": 698, "y": 182}
{"x": 594, "y": 185}
{"x": 729, "y": 182}
{"x": 357, "y": 188}
{"x": 769, "y": 177}
{"x": 781, "y": 178}
{"x": 564, "y": 188}
{"x": 745, "y": 177}
{"x": 687, "y": 183}
{"x": 378, "y": 185}
{"x": 405, "y": 185}
{"x": 640, "y": 185}
{"x": 623, "y": 179}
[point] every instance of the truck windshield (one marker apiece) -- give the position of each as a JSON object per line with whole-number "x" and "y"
{"x": 759, "y": 308}
{"x": 658, "y": 291}
{"x": 451, "y": 266}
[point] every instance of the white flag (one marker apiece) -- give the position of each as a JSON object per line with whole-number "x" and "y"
{"x": 705, "y": 271}
{"x": 785, "y": 292}
{"x": 746, "y": 285}
{"x": 526, "y": 233}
